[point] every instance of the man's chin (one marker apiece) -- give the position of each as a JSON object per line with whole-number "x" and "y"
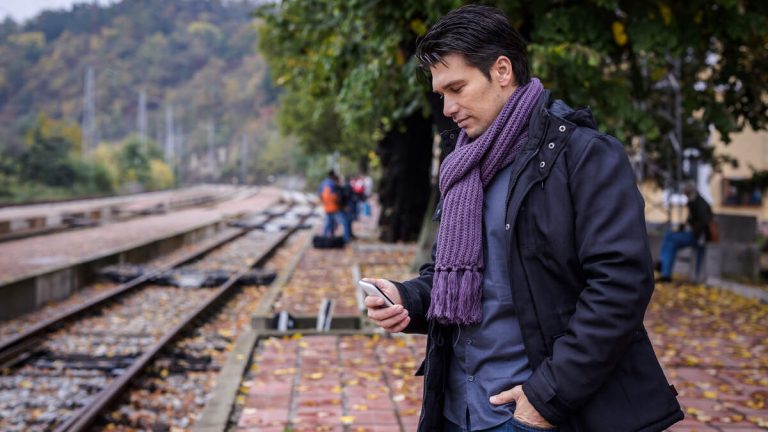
{"x": 474, "y": 132}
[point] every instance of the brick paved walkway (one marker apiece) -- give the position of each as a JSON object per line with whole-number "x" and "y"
{"x": 713, "y": 345}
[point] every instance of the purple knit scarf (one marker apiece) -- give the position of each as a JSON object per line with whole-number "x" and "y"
{"x": 457, "y": 284}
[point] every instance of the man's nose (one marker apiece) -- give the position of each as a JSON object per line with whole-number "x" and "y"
{"x": 449, "y": 107}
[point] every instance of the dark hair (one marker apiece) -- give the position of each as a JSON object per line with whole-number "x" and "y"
{"x": 480, "y": 34}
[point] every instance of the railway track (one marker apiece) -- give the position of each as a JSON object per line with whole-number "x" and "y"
{"x": 14, "y": 340}
{"x": 173, "y": 391}
{"x": 62, "y": 373}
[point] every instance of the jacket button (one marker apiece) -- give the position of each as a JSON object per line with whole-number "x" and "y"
{"x": 469, "y": 341}
{"x": 551, "y": 145}
{"x": 542, "y": 164}
{"x": 506, "y": 227}
{"x": 471, "y": 378}
{"x": 453, "y": 136}
{"x": 561, "y": 128}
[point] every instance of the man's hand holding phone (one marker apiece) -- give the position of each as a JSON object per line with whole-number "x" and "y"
{"x": 394, "y": 318}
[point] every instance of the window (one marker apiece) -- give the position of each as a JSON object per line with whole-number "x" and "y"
{"x": 740, "y": 192}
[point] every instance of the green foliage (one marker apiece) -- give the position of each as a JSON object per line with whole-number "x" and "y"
{"x": 160, "y": 175}
{"x": 47, "y": 158}
{"x": 140, "y": 162}
{"x": 133, "y": 161}
{"x": 349, "y": 77}
{"x": 613, "y": 56}
{"x": 51, "y": 166}
{"x": 346, "y": 67}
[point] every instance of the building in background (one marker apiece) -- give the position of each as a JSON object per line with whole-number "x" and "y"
{"x": 728, "y": 190}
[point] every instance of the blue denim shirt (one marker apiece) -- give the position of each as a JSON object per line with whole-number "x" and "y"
{"x": 488, "y": 357}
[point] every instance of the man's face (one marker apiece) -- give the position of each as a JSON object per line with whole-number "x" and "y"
{"x": 469, "y": 98}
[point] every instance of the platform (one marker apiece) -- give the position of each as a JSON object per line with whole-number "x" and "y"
{"x": 36, "y": 270}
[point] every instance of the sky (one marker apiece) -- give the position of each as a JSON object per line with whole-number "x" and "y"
{"x": 22, "y": 10}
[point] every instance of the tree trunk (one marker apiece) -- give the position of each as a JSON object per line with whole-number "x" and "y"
{"x": 406, "y": 155}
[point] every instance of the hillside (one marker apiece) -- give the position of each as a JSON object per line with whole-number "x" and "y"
{"x": 198, "y": 57}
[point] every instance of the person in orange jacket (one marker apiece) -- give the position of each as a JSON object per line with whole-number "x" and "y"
{"x": 330, "y": 196}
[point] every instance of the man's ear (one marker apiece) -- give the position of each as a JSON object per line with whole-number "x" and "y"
{"x": 504, "y": 72}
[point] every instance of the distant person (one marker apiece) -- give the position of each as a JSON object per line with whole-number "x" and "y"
{"x": 694, "y": 235}
{"x": 349, "y": 205}
{"x": 330, "y": 196}
{"x": 358, "y": 188}
{"x": 366, "y": 186}
{"x": 541, "y": 274}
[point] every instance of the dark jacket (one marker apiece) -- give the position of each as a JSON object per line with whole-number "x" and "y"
{"x": 699, "y": 215}
{"x": 581, "y": 279}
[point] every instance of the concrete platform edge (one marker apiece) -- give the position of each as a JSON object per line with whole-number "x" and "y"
{"x": 116, "y": 251}
{"x": 215, "y": 415}
{"x": 737, "y": 288}
{"x": 265, "y": 305}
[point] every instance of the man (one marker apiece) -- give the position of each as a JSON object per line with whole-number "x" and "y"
{"x": 534, "y": 303}
{"x": 331, "y": 198}
{"x": 699, "y": 217}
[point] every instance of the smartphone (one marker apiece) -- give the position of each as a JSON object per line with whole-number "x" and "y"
{"x": 373, "y": 290}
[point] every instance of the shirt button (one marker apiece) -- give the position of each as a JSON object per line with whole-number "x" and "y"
{"x": 469, "y": 341}
{"x": 471, "y": 378}
{"x": 506, "y": 227}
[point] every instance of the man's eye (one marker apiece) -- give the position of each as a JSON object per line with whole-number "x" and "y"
{"x": 457, "y": 89}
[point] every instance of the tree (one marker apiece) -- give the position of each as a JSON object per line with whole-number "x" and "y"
{"x": 625, "y": 58}
{"x": 351, "y": 84}
{"x": 52, "y": 158}
{"x": 350, "y": 81}
{"x": 47, "y": 157}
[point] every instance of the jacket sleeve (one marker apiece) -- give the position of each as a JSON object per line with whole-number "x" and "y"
{"x": 612, "y": 246}
{"x": 416, "y": 295}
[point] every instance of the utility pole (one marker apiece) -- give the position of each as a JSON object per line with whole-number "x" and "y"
{"x": 675, "y": 137}
{"x": 88, "y": 126}
{"x": 179, "y": 154}
{"x": 170, "y": 145}
{"x": 243, "y": 156}
{"x": 158, "y": 136}
{"x": 141, "y": 118}
{"x": 211, "y": 155}
{"x": 677, "y": 142}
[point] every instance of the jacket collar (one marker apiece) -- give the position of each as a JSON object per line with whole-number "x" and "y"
{"x": 546, "y": 107}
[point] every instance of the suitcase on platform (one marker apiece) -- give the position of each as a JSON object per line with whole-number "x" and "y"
{"x": 322, "y": 242}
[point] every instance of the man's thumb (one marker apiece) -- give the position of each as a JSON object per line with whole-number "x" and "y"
{"x": 506, "y": 396}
